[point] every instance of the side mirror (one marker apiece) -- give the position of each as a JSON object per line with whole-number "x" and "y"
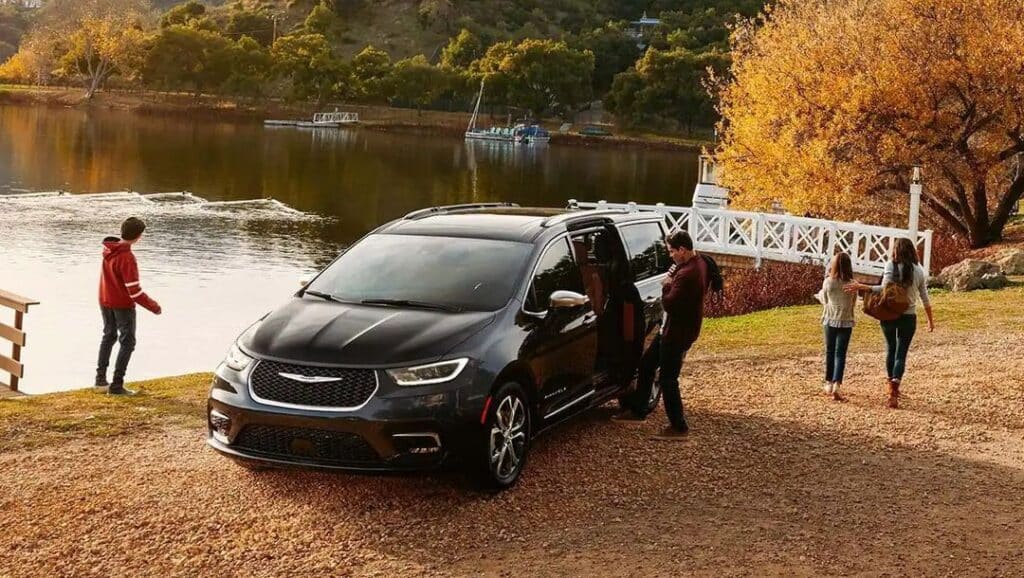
{"x": 562, "y": 299}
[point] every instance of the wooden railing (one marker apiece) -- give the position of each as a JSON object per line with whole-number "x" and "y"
{"x": 774, "y": 237}
{"x": 14, "y": 334}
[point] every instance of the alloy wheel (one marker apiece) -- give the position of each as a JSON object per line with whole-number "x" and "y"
{"x": 508, "y": 438}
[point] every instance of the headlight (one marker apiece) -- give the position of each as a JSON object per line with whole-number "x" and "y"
{"x": 237, "y": 359}
{"x": 428, "y": 374}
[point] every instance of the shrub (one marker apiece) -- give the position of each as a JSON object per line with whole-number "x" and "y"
{"x": 773, "y": 285}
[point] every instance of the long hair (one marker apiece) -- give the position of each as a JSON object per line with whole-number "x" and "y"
{"x": 841, "y": 267}
{"x": 904, "y": 258}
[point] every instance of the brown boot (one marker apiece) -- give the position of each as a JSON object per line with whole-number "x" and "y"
{"x": 894, "y": 393}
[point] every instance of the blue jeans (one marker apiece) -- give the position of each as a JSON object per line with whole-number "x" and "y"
{"x": 837, "y": 341}
{"x": 898, "y": 335}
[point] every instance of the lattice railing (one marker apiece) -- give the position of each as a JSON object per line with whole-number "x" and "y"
{"x": 780, "y": 237}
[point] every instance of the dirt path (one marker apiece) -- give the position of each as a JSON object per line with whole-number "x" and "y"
{"x": 775, "y": 480}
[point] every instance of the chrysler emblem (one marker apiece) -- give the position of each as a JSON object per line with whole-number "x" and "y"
{"x": 308, "y": 378}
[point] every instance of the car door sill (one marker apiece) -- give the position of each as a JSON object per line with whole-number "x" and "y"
{"x": 570, "y": 404}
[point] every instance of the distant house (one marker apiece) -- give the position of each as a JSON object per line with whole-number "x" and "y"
{"x": 641, "y": 29}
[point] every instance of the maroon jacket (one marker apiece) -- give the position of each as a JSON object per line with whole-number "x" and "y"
{"x": 119, "y": 282}
{"x": 683, "y": 301}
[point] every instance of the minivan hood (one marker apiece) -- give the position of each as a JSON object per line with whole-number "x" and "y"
{"x": 323, "y": 332}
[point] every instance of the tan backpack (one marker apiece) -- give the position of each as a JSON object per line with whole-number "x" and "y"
{"x": 889, "y": 304}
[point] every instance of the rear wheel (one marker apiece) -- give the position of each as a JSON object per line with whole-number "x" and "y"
{"x": 506, "y": 438}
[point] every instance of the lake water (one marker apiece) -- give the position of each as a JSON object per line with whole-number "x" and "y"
{"x": 219, "y": 258}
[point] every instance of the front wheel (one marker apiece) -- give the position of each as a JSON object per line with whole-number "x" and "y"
{"x": 506, "y": 438}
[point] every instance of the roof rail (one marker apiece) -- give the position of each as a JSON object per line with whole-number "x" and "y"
{"x": 451, "y": 208}
{"x": 578, "y": 215}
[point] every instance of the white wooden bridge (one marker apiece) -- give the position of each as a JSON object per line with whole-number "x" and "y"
{"x": 786, "y": 238}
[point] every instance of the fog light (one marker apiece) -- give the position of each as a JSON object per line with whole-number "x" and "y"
{"x": 220, "y": 426}
{"x": 417, "y": 443}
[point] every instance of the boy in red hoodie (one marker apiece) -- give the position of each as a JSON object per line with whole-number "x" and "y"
{"x": 119, "y": 292}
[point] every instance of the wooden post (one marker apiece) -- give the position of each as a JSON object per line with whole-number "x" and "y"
{"x": 19, "y": 318}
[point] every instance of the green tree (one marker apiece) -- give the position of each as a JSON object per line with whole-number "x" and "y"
{"x": 320, "y": 20}
{"x": 257, "y": 25}
{"x": 250, "y": 66}
{"x": 417, "y": 81}
{"x": 541, "y": 76}
{"x": 614, "y": 51}
{"x": 185, "y": 57}
{"x": 370, "y": 71}
{"x": 185, "y": 14}
{"x": 667, "y": 90}
{"x": 462, "y": 50}
{"x": 307, "y": 62}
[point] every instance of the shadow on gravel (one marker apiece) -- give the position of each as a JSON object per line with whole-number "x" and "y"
{"x": 740, "y": 491}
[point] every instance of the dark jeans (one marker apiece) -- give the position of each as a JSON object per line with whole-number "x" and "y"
{"x": 898, "y": 335}
{"x": 118, "y": 326}
{"x": 837, "y": 341}
{"x": 668, "y": 358}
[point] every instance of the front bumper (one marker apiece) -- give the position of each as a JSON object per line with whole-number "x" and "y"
{"x": 398, "y": 429}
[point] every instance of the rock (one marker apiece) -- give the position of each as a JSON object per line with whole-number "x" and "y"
{"x": 1010, "y": 261}
{"x": 966, "y": 275}
{"x": 994, "y": 281}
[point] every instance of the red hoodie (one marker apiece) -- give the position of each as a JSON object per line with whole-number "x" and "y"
{"x": 119, "y": 283}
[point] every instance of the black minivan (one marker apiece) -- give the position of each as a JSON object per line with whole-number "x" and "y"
{"x": 456, "y": 332}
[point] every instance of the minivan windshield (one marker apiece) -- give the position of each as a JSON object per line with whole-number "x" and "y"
{"x": 425, "y": 272}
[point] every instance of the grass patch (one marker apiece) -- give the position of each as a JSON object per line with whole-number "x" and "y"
{"x": 45, "y": 419}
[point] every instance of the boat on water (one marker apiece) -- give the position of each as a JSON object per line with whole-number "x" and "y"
{"x": 336, "y": 119}
{"x": 521, "y": 133}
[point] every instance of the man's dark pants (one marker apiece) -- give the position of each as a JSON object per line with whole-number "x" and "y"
{"x": 118, "y": 326}
{"x": 668, "y": 357}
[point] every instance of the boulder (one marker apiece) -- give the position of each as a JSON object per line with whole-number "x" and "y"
{"x": 1010, "y": 261}
{"x": 994, "y": 281}
{"x": 966, "y": 275}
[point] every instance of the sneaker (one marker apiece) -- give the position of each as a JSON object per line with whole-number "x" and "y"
{"x": 627, "y": 415}
{"x": 828, "y": 388}
{"x": 101, "y": 381}
{"x": 835, "y": 393}
{"x": 122, "y": 390}
{"x": 672, "y": 434}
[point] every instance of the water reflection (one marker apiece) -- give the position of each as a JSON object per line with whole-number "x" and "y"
{"x": 217, "y": 267}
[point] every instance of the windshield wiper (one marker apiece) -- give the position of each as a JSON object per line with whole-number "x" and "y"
{"x": 411, "y": 303}
{"x": 326, "y": 296}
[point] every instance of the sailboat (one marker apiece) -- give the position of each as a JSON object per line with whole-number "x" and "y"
{"x": 521, "y": 133}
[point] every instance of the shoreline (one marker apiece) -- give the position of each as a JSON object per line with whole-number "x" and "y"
{"x": 372, "y": 117}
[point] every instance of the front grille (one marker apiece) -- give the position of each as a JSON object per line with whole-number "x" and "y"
{"x": 353, "y": 388}
{"x": 323, "y": 446}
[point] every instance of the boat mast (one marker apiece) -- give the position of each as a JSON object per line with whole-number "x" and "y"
{"x": 476, "y": 109}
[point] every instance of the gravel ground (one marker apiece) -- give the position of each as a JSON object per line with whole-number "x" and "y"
{"x": 774, "y": 480}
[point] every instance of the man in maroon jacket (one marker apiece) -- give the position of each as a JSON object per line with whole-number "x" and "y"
{"x": 120, "y": 290}
{"x": 682, "y": 298}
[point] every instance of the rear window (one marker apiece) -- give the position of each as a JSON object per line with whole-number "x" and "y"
{"x": 648, "y": 256}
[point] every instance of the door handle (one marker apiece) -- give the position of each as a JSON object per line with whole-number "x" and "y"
{"x": 589, "y": 318}
{"x": 650, "y": 299}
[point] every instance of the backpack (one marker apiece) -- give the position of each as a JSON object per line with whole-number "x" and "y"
{"x": 889, "y": 304}
{"x": 715, "y": 281}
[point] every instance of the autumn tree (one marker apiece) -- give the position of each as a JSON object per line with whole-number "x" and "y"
{"x": 461, "y": 50}
{"x": 92, "y": 39}
{"x": 834, "y": 101}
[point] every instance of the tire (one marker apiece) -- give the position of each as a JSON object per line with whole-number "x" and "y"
{"x": 504, "y": 442}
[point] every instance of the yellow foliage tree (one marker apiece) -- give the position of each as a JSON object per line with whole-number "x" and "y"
{"x": 831, "y": 102}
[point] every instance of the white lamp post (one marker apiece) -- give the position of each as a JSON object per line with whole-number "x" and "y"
{"x": 915, "y": 202}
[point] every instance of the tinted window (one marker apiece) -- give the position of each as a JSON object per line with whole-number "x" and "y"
{"x": 647, "y": 253}
{"x": 555, "y": 271}
{"x": 470, "y": 274}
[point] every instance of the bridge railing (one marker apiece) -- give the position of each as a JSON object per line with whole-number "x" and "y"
{"x": 776, "y": 237}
